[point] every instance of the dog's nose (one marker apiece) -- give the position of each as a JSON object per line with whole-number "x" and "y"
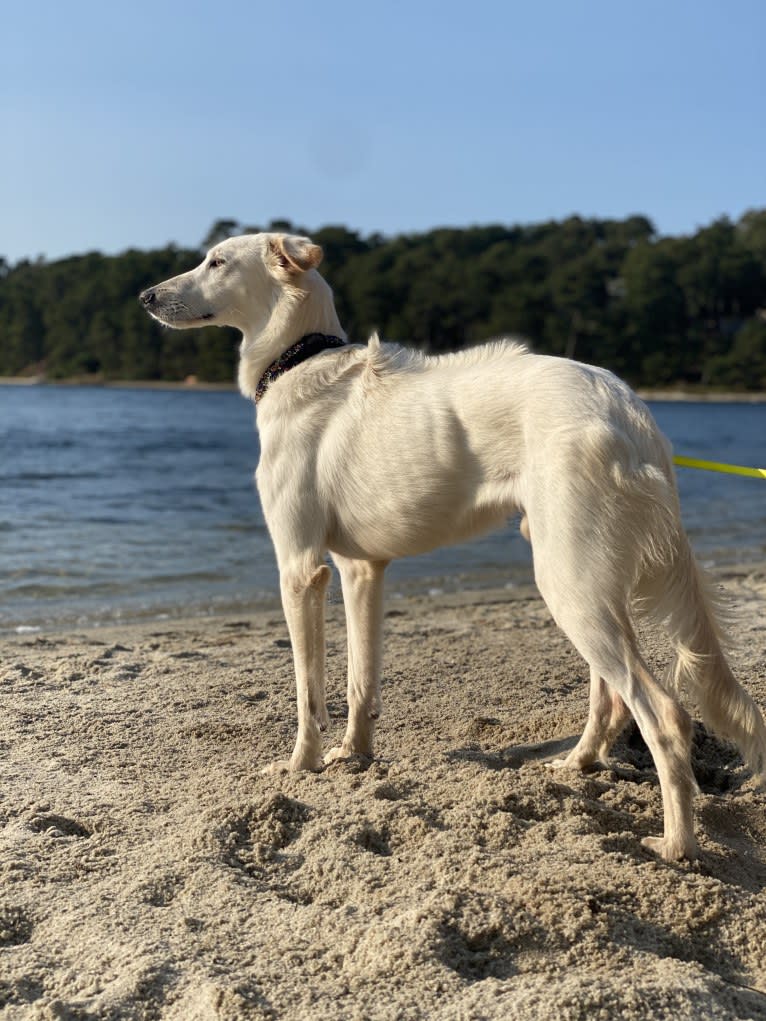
{"x": 147, "y": 297}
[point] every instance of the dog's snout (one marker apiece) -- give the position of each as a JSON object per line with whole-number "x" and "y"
{"x": 148, "y": 297}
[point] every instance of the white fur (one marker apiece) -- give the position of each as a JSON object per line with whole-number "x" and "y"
{"x": 378, "y": 452}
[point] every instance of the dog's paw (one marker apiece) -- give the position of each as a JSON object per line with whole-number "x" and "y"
{"x": 337, "y": 755}
{"x": 293, "y": 765}
{"x": 273, "y": 768}
{"x": 575, "y": 765}
{"x": 350, "y": 762}
{"x": 671, "y": 850}
{"x": 345, "y": 754}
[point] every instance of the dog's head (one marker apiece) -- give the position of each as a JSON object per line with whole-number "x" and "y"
{"x": 238, "y": 283}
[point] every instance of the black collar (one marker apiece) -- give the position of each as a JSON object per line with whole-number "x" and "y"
{"x": 307, "y": 346}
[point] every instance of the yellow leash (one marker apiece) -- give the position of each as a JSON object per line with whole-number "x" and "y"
{"x": 716, "y": 466}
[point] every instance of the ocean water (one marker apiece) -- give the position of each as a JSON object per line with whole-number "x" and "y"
{"x": 119, "y": 504}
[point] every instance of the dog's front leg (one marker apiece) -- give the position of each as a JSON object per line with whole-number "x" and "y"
{"x": 362, "y": 582}
{"x": 303, "y": 595}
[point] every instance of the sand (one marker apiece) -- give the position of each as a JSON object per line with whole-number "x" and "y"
{"x": 150, "y": 871}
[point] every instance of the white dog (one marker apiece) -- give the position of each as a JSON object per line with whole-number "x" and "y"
{"x": 375, "y": 452}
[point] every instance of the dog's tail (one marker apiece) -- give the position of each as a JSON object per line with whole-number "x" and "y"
{"x": 681, "y": 596}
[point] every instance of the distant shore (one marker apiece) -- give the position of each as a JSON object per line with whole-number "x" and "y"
{"x": 703, "y": 395}
{"x": 192, "y": 383}
{"x": 688, "y": 394}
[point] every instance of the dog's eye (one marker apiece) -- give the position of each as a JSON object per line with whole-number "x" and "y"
{"x": 215, "y": 263}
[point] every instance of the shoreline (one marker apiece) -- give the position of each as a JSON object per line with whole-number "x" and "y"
{"x": 430, "y": 594}
{"x": 119, "y": 384}
{"x": 395, "y": 603}
{"x": 701, "y": 397}
{"x": 669, "y": 395}
{"x": 434, "y": 593}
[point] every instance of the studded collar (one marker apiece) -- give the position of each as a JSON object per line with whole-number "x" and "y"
{"x": 305, "y": 348}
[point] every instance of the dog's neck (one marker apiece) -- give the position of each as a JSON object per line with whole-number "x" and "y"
{"x": 308, "y": 346}
{"x": 300, "y": 310}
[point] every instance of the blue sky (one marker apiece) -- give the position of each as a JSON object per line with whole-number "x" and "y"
{"x": 131, "y": 125}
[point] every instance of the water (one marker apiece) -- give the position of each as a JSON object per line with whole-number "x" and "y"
{"x": 119, "y": 504}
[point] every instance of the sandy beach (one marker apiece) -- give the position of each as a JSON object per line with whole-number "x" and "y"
{"x": 150, "y": 871}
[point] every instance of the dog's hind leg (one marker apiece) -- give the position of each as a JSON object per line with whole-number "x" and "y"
{"x": 667, "y": 729}
{"x": 601, "y": 631}
{"x": 362, "y": 583}
{"x": 664, "y": 725}
{"x": 303, "y": 585}
{"x": 607, "y": 715}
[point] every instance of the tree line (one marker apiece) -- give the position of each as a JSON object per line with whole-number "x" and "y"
{"x": 657, "y": 310}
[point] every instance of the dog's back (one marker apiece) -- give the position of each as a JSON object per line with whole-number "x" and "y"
{"x": 413, "y": 452}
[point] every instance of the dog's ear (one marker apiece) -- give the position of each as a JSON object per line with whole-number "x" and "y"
{"x": 294, "y": 255}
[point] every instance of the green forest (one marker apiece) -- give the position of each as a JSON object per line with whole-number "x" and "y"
{"x": 658, "y": 310}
